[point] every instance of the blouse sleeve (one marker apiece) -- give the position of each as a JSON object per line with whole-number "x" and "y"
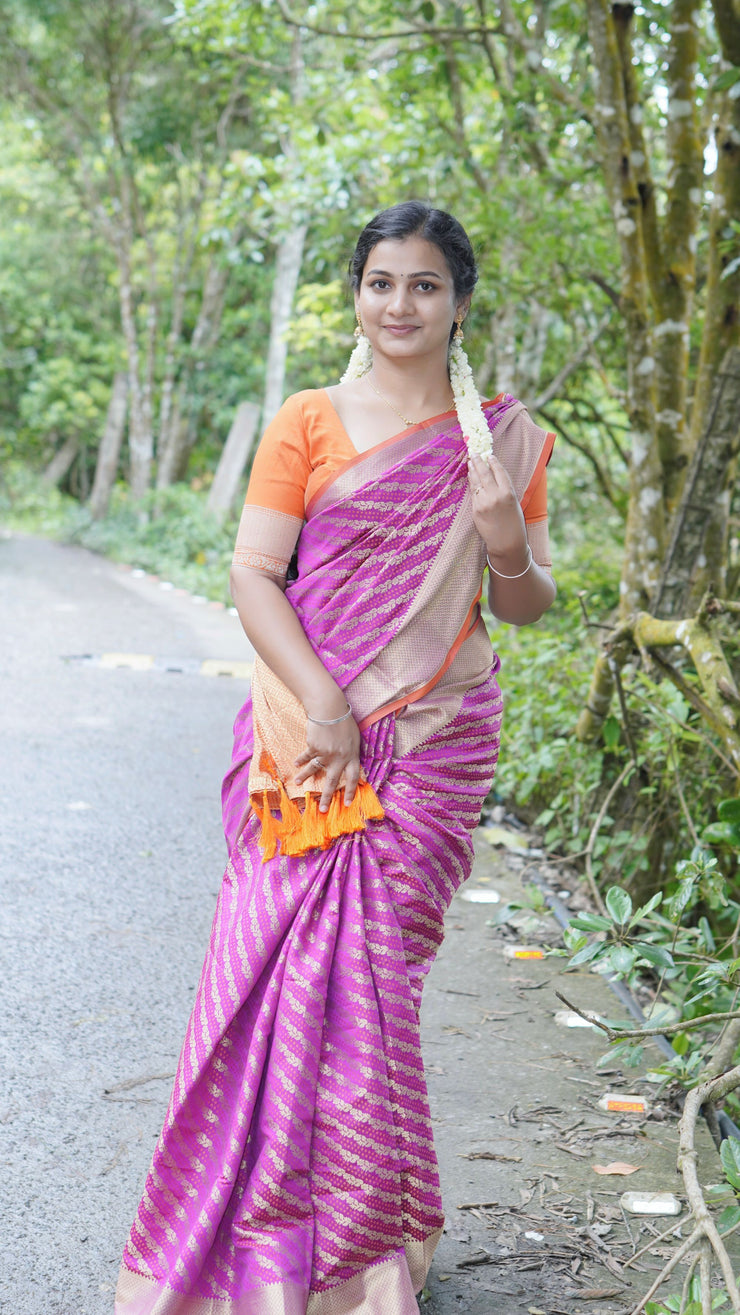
{"x": 273, "y": 512}
{"x": 535, "y": 519}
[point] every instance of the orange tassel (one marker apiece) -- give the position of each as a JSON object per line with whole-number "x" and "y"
{"x": 339, "y": 821}
{"x": 300, "y": 832}
{"x": 370, "y": 806}
{"x": 315, "y": 832}
{"x": 268, "y": 834}
{"x": 290, "y": 817}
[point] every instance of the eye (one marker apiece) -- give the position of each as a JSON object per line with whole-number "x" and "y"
{"x": 425, "y": 286}
{"x": 380, "y": 284}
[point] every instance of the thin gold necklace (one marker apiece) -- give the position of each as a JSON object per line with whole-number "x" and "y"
{"x": 406, "y": 421}
{"x": 400, "y": 414}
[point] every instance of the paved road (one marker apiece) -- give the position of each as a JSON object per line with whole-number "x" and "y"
{"x": 111, "y": 856}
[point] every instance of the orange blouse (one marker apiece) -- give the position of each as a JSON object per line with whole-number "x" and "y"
{"x": 299, "y": 451}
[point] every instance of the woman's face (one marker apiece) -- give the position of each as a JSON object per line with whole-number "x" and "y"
{"x": 406, "y": 299}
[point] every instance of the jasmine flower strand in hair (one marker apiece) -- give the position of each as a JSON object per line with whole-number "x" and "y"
{"x": 473, "y": 423}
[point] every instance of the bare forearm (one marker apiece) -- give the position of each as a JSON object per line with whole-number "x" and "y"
{"x": 524, "y": 600}
{"x": 273, "y": 628}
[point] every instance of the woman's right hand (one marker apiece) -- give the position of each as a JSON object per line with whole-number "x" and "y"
{"x": 337, "y": 749}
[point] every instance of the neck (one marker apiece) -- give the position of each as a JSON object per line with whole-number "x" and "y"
{"x": 421, "y": 384}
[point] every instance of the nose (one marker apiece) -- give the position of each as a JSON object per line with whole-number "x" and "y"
{"x": 399, "y": 299}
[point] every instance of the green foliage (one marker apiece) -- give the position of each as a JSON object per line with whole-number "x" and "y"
{"x": 672, "y": 1305}
{"x": 171, "y": 535}
{"x": 695, "y": 963}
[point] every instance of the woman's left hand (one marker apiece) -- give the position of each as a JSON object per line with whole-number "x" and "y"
{"x": 497, "y": 514}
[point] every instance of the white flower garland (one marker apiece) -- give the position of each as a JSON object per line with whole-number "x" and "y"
{"x": 360, "y": 361}
{"x": 467, "y": 400}
{"x": 467, "y": 404}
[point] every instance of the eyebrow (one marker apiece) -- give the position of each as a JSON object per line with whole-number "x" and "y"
{"x": 420, "y": 273}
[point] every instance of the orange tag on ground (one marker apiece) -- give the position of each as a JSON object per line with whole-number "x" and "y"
{"x": 617, "y": 1104}
{"x": 523, "y": 952}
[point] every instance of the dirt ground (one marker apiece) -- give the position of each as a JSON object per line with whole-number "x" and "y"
{"x": 532, "y": 1227}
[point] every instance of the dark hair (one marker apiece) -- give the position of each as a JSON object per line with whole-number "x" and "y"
{"x": 417, "y": 219}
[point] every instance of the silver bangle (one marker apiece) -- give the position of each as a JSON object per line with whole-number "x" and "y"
{"x": 519, "y": 574}
{"x": 333, "y": 721}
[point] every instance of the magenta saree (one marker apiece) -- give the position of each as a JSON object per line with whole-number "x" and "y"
{"x": 295, "y": 1174}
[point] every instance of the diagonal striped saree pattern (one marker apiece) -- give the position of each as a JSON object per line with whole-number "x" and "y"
{"x": 296, "y": 1171}
{"x": 296, "y": 1174}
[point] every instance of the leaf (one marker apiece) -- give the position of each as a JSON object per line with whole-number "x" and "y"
{"x": 611, "y": 732}
{"x": 655, "y": 954}
{"x": 644, "y": 909}
{"x": 622, "y": 959}
{"x": 729, "y": 1217}
{"x": 730, "y": 269}
{"x": 730, "y": 1156}
{"x": 681, "y": 898}
{"x": 588, "y": 953}
{"x": 726, "y": 79}
{"x": 706, "y": 934}
{"x": 616, "y": 1167}
{"x": 681, "y": 1042}
{"x": 729, "y": 810}
{"x": 618, "y": 904}
{"x": 591, "y": 922}
{"x": 722, "y": 833}
{"x": 427, "y": 11}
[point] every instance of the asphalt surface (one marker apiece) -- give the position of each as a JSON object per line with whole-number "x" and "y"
{"x": 111, "y": 856}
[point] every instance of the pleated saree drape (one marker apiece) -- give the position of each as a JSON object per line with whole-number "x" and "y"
{"x": 296, "y": 1174}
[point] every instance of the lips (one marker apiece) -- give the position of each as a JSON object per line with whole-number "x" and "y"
{"x": 400, "y": 329}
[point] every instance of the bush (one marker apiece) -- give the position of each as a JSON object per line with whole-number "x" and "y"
{"x": 170, "y": 533}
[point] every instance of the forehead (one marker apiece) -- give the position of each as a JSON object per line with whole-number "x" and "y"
{"x": 409, "y": 255}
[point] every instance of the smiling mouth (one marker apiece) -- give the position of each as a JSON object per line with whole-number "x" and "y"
{"x": 400, "y": 328}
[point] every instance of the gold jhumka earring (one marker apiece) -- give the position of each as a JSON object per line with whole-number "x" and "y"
{"x": 362, "y": 357}
{"x": 458, "y": 335}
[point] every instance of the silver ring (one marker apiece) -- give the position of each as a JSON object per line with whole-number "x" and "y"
{"x": 317, "y": 762}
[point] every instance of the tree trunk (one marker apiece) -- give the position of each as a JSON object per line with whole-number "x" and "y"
{"x": 140, "y": 438}
{"x": 110, "y": 448}
{"x": 234, "y": 458}
{"x": 670, "y": 254}
{"x": 62, "y": 461}
{"x": 609, "y": 30}
{"x": 721, "y": 329}
{"x": 175, "y": 436}
{"x": 708, "y": 475}
{"x": 287, "y": 271}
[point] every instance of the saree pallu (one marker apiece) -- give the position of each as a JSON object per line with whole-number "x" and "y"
{"x": 296, "y": 1174}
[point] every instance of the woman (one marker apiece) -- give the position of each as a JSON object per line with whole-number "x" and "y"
{"x": 296, "y": 1173}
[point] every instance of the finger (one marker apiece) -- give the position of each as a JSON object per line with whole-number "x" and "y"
{"x": 477, "y": 467}
{"x": 351, "y": 780}
{"x": 330, "y": 785}
{"x": 475, "y": 459}
{"x": 498, "y": 470}
{"x": 312, "y": 768}
{"x": 479, "y": 475}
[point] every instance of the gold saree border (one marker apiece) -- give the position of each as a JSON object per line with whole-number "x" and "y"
{"x": 387, "y": 1286}
{"x": 138, "y": 1295}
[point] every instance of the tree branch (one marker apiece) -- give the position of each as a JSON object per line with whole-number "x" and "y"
{"x": 602, "y": 477}
{"x": 390, "y": 35}
{"x": 556, "y": 383}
